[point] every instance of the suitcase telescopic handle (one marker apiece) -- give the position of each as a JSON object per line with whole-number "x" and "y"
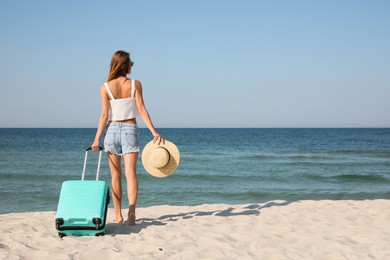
{"x": 85, "y": 162}
{"x": 90, "y": 148}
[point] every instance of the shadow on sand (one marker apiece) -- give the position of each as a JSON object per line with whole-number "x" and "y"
{"x": 142, "y": 223}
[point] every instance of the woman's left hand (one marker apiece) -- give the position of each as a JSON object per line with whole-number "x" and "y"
{"x": 95, "y": 146}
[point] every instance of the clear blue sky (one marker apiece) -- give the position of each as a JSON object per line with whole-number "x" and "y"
{"x": 202, "y": 63}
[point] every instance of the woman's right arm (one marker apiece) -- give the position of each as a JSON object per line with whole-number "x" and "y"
{"x": 144, "y": 113}
{"x": 103, "y": 118}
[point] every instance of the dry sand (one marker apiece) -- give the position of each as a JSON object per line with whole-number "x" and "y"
{"x": 273, "y": 230}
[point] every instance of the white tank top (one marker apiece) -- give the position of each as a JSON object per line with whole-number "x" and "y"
{"x": 122, "y": 108}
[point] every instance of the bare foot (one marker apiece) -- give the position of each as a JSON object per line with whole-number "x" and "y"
{"x": 131, "y": 216}
{"x": 119, "y": 219}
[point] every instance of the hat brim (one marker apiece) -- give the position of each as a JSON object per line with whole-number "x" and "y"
{"x": 174, "y": 159}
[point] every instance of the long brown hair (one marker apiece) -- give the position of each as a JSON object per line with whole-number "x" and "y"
{"x": 120, "y": 65}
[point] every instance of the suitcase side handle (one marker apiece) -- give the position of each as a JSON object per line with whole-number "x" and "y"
{"x": 85, "y": 162}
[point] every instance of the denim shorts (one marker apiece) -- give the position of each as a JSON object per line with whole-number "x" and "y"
{"x": 121, "y": 138}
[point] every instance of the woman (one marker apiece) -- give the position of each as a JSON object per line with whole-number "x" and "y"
{"x": 121, "y": 102}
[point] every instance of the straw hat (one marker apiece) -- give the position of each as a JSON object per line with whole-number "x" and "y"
{"x": 160, "y": 160}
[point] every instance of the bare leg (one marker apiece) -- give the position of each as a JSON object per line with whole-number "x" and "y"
{"x": 132, "y": 184}
{"x": 116, "y": 184}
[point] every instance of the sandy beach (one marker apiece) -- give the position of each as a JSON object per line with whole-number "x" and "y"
{"x": 273, "y": 230}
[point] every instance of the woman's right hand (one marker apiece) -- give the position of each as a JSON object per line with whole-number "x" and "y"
{"x": 158, "y": 139}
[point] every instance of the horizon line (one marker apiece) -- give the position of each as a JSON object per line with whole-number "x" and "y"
{"x": 213, "y": 127}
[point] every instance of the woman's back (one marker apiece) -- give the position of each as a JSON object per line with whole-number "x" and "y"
{"x": 122, "y": 101}
{"x": 120, "y": 87}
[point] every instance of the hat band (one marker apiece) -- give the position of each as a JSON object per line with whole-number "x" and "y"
{"x": 169, "y": 158}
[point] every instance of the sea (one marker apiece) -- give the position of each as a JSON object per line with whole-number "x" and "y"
{"x": 217, "y": 165}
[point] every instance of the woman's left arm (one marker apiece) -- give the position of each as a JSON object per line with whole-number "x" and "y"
{"x": 103, "y": 118}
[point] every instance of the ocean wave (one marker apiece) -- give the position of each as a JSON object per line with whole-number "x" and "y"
{"x": 362, "y": 178}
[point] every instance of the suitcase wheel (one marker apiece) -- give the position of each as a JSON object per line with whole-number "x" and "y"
{"x": 97, "y": 222}
{"x": 61, "y": 235}
{"x": 59, "y": 222}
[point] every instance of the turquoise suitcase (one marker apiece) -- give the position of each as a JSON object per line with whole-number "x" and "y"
{"x": 82, "y": 206}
